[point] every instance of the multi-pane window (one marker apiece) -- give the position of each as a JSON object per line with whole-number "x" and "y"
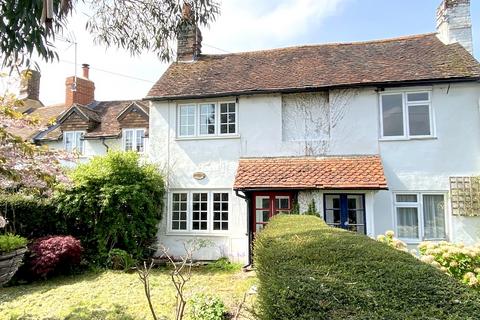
{"x": 179, "y": 211}
{"x": 420, "y": 216}
{"x": 228, "y": 117}
{"x": 200, "y": 211}
{"x": 406, "y": 114}
{"x": 134, "y": 140}
{"x": 207, "y": 119}
{"x": 73, "y": 141}
{"x": 220, "y": 211}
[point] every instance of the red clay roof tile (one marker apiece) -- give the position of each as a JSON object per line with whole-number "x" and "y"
{"x": 352, "y": 172}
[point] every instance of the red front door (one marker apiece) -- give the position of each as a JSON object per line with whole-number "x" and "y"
{"x": 268, "y": 204}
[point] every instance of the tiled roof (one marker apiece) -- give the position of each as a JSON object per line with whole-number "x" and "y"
{"x": 408, "y": 59}
{"x": 103, "y": 112}
{"x": 352, "y": 172}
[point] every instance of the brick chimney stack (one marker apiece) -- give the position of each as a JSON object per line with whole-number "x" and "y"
{"x": 454, "y": 23}
{"x": 80, "y": 90}
{"x": 30, "y": 85}
{"x": 189, "y": 38}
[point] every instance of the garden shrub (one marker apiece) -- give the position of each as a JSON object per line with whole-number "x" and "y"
{"x": 457, "y": 260}
{"x": 307, "y": 270}
{"x": 119, "y": 259}
{"x": 31, "y": 216}
{"x": 389, "y": 239}
{"x": 312, "y": 209}
{"x": 223, "y": 264}
{"x": 207, "y": 307}
{"x": 10, "y": 242}
{"x": 54, "y": 254}
{"x": 115, "y": 201}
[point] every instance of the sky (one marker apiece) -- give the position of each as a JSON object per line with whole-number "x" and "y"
{"x": 243, "y": 25}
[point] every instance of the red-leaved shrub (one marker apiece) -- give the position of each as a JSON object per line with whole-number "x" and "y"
{"x": 54, "y": 254}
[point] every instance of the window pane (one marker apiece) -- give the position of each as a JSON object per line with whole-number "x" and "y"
{"x": 199, "y": 211}
{"x": 220, "y": 213}
{"x": 128, "y": 140}
{"x": 79, "y": 142}
{"x": 68, "y": 141}
{"x": 187, "y": 120}
{"x": 392, "y": 114}
{"x": 433, "y": 216}
{"x": 419, "y": 120}
{"x": 416, "y": 97}
{"x": 406, "y": 197}
{"x": 140, "y": 135}
{"x": 407, "y": 223}
{"x": 179, "y": 211}
{"x": 207, "y": 118}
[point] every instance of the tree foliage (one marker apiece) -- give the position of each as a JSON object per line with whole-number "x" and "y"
{"x": 114, "y": 202}
{"x": 29, "y": 26}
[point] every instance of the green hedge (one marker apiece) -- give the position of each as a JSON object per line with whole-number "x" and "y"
{"x": 308, "y": 270}
{"x": 30, "y": 216}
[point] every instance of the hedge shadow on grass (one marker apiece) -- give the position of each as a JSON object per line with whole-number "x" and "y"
{"x": 308, "y": 270}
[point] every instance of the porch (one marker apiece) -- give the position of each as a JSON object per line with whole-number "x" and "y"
{"x": 339, "y": 189}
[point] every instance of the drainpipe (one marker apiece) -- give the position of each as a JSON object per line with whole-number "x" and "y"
{"x": 245, "y": 197}
{"x": 106, "y": 146}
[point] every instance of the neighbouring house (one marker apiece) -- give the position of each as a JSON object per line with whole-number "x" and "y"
{"x": 88, "y": 127}
{"x": 379, "y": 135}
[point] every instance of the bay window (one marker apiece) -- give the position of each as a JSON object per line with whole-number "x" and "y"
{"x": 73, "y": 141}
{"x": 420, "y": 216}
{"x": 207, "y": 119}
{"x": 406, "y": 115}
{"x": 133, "y": 140}
{"x": 199, "y": 211}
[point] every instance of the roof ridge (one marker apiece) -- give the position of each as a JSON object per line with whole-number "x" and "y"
{"x": 399, "y": 38}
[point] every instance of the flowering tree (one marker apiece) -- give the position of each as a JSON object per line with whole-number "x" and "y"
{"x": 23, "y": 165}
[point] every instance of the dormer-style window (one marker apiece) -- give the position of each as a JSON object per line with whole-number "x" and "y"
{"x": 406, "y": 115}
{"x": 207, "y": 119}
{"x": 133, "y": 140}
{"x": 73, "y": 141}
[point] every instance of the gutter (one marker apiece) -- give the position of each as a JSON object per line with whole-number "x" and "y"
{"x": 385, "y": 84}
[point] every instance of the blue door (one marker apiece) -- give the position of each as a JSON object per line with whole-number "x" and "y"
{"x": 346, "y": 211}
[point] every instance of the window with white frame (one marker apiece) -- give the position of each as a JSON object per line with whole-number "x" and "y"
{"x": 199, "y": 211}
{"x": 133, "y": 140}
{"x": 73, "y": 141}
{"x": 406, "y": 115}
{"x": 420, "y": 216}
{"x": 207, "y": 119}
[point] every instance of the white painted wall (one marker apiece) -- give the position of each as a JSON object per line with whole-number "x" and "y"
{"x": 353, "y": 128}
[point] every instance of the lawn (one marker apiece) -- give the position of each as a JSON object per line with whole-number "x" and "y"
{"x": 115, "y": 295}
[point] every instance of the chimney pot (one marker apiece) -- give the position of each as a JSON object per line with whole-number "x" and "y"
{"x": 85, "y": 69}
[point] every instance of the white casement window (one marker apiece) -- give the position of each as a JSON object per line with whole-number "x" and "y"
{"x": 207, "y": 119}
{"x": 133, "y": 140}
{"x": 73, "y": 141}
{"x": 406, "y": 115}
{"x": 420, "y": 216}
{"x": 199, "y": 211}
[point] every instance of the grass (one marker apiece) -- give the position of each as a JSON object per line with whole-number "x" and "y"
{"x": 115, "y": 295}
{"x": 307, "y": 270}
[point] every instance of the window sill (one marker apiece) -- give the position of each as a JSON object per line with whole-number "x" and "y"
{"x": 198, "y": 234}
{"x": 387, "y": 139}
{"x": 236, "y": 136}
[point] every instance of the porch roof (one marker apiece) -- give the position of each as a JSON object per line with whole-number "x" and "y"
{"x": 339, "y": 172}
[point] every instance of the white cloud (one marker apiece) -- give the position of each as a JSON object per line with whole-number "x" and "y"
{"x": 243, "y": 25}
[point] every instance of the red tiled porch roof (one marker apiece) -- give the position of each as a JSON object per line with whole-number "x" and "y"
{"x": 349, "y": 172}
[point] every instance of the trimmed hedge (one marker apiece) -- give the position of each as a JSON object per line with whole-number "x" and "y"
{"x": 31, "y": 216}
{"x": 308, "y": 270}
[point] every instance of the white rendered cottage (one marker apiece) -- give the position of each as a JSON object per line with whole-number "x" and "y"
{"x": 377, "y": 133}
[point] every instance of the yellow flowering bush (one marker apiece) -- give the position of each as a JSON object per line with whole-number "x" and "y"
{"x": 389, "y": 239}
{"x": 455, "y": 259}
